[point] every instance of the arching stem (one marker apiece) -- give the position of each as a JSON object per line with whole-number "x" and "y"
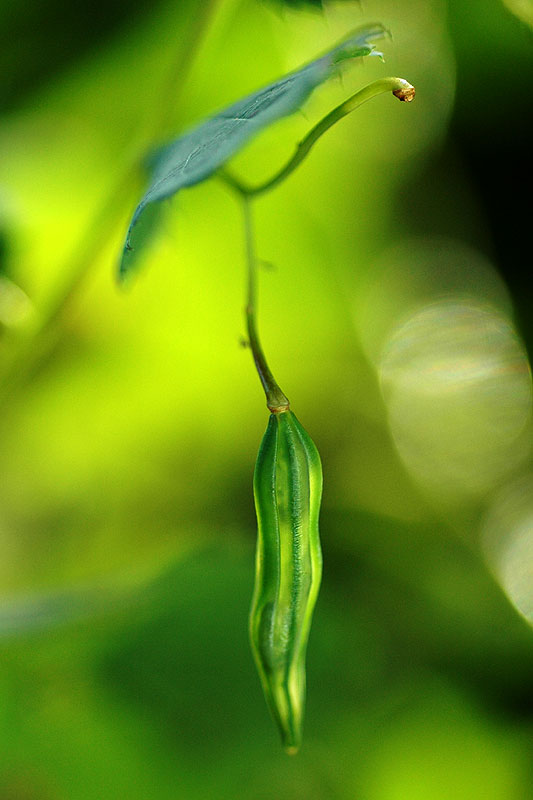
{"x": 276, "y": 399}
{"x": 399, "y": 87}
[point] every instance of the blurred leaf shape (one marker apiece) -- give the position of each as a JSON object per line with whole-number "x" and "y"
{"x": 47, "y": 611}
{"x": 196, "y": 155}
{"x": 507, "y": 539}
{"x": 522, "y": 9}
{"x": 15, "y": 305}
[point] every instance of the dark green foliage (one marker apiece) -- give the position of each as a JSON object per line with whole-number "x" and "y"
{"x": 41, "y": 38}
{"x": 316, "y": 4}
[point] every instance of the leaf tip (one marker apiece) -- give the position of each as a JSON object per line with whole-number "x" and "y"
{"x": 122, "y": 273}
{"x": 377, "y": 54}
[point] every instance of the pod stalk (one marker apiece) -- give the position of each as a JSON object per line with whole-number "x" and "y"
{"x": 399, "y": 87}
{"x": 277, "y": 401}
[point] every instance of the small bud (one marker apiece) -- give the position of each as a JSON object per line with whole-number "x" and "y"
{"x": 406, "y": 94}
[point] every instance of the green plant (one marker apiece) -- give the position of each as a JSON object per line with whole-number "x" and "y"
{"x": 287, "y": 491}
{"x": 288, "y": 474}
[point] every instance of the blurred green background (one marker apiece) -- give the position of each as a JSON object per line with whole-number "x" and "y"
{"x": 396, "y": 318}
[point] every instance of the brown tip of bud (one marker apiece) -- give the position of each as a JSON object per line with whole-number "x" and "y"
{"x": 406, "y": 95}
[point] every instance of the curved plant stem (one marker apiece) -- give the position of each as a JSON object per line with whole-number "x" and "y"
{"x": 276, "y": 399}
{"x": 398, "y": 86}
{"x": 38, "y": 337}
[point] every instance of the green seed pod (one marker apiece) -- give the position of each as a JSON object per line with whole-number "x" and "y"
{"x": 287, "y": 491}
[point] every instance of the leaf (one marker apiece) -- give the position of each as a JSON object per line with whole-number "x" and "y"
{"x": 196, "y": 155}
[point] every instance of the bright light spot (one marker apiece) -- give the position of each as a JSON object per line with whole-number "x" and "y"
{"x": 415, "y": 273}
{"x": 508, "y": 543}
{"x": 457, "y": 387}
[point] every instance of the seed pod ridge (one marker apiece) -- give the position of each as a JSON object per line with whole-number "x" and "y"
{"x": 287, "y": 492}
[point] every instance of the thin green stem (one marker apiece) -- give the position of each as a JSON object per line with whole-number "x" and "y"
{"x": 276, "y": 399}
{"x": 398, "y": 86}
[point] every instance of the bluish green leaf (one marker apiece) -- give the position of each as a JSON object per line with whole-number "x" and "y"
{"x": 196, "y": 155}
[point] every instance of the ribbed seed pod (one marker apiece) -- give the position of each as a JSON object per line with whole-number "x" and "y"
{"x": 287, "y": 491}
